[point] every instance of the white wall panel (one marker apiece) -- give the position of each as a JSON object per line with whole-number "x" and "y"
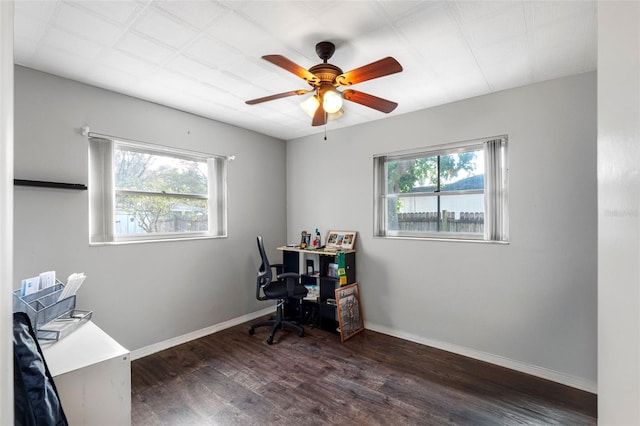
{"x": 6, "y": 209}
{"x": 618, "y": 213}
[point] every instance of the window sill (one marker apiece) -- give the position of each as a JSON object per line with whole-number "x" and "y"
{"x": 455, "y": 240}
{"x": 156, "y": 240}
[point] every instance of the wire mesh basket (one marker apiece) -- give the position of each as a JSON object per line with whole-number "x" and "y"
{"x": 44, "y": 309}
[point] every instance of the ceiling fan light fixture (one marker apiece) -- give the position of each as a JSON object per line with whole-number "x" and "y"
{"x": 331, "y": 101}
{"x": 310, "y": 105}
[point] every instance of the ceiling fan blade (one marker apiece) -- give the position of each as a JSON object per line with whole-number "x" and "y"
{"x": 373, "y": 70}
{"x": 292, "y": 67}
{"x": 369, "y": 101}
{"x": 320, "y": 116}
{"x": 278, "y": 96}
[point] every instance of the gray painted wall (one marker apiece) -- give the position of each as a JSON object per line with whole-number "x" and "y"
{"x": 531, "y": 303}
{"x": 140, "y": 294}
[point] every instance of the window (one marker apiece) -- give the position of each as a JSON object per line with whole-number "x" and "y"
{"x": 141, "y": 192}
{"x": 456, "y": 191}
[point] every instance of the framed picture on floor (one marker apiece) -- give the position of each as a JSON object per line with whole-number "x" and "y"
{"x": 349, "y": 311}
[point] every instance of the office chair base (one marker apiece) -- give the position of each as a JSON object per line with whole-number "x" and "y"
{"x": 275, "y": 326}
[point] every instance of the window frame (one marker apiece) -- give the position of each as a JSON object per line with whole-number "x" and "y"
{"x": 495, "y": 203}
{"x": 102, "y": 191}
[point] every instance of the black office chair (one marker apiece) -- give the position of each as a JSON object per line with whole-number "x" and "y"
{"x": 286, "y": 286}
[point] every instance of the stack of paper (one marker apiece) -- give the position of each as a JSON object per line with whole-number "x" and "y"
{"x": 33, "y": 284}
{"x": 47, "y": 279}
{"x": 30, "y": 286}
{"x": 73, "y": 284}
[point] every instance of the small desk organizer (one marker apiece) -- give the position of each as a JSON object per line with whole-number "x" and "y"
{"x": 43, "y": 307}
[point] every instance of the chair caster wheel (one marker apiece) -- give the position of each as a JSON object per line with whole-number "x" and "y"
{"x": 251, "y": 331}
{"x": 269, "y": 340}
{"x": 301, "y": 333}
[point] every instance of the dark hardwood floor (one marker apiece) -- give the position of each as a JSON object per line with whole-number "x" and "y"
{"x": 231, "y": 378}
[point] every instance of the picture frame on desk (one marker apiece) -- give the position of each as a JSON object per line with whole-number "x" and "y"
{"x": 340, "y": 240}
{"x": 349, "y": 311}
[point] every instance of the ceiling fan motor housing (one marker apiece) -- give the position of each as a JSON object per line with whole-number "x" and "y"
{"x": 327, "y": 73}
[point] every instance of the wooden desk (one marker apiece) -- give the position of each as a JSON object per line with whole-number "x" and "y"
{"x": 316, "y": 251}
{"x": 92, "y": 373}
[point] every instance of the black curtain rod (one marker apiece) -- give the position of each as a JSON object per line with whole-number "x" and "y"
{"x": 45, "y": 184}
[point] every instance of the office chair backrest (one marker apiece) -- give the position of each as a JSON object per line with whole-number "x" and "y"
{"x": 264, "y": 272}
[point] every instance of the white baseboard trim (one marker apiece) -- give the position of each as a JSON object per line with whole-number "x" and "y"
{"x": 166, "y": 344}
{"x": 534, "y": 370}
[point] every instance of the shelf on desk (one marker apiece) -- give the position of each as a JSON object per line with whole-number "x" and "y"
{"x": 314, "y": 275}
{"x": 325, "y": 252}
{"x": 318, "y": 313}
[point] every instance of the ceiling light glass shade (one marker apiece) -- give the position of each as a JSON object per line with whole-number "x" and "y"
{"x": 335, "y": 115}
{"x": 310, "y": 105}
{"x": 331, "y": 101}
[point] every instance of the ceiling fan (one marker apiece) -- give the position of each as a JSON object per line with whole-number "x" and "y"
{"x": 324, "y": 78}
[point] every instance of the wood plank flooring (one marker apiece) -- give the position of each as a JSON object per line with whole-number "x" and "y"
{"x": 231, "y": 378}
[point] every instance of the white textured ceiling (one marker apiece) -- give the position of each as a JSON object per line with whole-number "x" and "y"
{"x": 204, "y": 57}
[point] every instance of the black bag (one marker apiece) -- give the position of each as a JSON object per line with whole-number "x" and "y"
{"x": 36, "y": 400}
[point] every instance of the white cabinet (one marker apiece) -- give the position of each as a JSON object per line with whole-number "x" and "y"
{"x": 92, "y": 373}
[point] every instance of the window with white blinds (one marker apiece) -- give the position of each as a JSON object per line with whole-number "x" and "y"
{"x": 454, "y": 191}
{"x": 143, "y": 192}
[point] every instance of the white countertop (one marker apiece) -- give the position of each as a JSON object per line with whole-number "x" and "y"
{"x": 86, "y": 345}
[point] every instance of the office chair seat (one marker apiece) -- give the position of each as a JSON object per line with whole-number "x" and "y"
{"x": 278, "y": 290}
{"x": 284, "y": 288}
